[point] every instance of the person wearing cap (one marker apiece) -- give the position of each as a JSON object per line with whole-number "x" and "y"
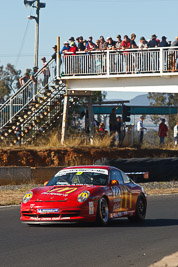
{"x": 73, "y": 48}
{"x": 77, "y": 40}
{"x": 142, "y": 55}
{"x": 153, "y": 54}
{"x": 32, "y": 76}
{"x": 118, "y": 43}
{"x": 140, "y": 129}
{"x": 163, "y": 42}
{"x": 74, "y": 60}
{"x": 72, "y": 40}
{"x": 81, "y": 46}
{"x": 81, "y": 58}
{"x": 54, "y": 56}
{"x": 90, "y": 46}
{"x": 34, "y": 80}
{"x": 64, "y": 52}
{"x": 153, "y": 42}
{"x": 55, "y": 52}
{"x": 142, "y": 43}
{"x": 46, "y": 72}
{"x": 65, "y": 48}
{"x": 162, "y": 132}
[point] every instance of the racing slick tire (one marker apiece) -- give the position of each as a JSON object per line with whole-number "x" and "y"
{"x": 102, "y": 212}
{"x": 140, "y": 211}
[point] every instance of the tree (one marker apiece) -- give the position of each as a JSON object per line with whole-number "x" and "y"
{"x": 163, "y": 99}
{"x": 9, "y": 81}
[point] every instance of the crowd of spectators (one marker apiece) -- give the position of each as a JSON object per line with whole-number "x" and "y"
{"x": 121, "y": 62}
{"x": 81, "y": 44}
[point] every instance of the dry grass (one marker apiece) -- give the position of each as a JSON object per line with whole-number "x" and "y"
{"x": 14, "y": 195}
{"x": 76, "y": 140}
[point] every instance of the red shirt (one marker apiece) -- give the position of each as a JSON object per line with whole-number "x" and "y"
{"x": 162, "y": 130}
{"x": 73, "y": 49}
{"x": 90, "y": 46}
{"x": 126, "y": 45}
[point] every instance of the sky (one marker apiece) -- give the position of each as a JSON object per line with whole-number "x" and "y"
{"x": 66, "y": 18}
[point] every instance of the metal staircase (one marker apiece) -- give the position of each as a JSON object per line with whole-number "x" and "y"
{"x": 28, "y": 114}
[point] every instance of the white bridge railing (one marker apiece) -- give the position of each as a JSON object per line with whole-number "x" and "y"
{"x": 109, "y": 62}
{"x": 25, "y": 95}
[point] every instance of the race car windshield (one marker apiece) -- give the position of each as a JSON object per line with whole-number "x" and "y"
{"x": 80, "y": 177}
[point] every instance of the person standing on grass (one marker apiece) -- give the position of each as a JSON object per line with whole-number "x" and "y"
{"x": 140, "y": 129}
{"x": 118, "y": 129}
{"x": 163, "y": 130}
{"x": 112, "y": 125}
{"x": 176, "y": 134}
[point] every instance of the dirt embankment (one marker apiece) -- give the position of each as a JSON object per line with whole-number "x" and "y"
{"x": 75, "y": 156}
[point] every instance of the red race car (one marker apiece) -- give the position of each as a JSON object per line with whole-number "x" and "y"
{"x": 85, "y": 193}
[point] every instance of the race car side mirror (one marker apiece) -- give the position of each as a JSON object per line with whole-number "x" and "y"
{"x": 114, "y": 182}
{"x": 45, "y": 183}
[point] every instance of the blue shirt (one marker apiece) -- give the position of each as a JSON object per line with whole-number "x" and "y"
{"x": 65, "y": 48}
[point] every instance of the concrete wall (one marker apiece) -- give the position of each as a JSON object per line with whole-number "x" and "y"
{"x": 18, "y": 175}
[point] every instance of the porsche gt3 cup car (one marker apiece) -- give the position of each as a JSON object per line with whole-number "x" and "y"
{"x": 85, "y": 193}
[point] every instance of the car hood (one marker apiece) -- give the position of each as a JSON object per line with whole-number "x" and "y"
{"x": 61, "y": 193}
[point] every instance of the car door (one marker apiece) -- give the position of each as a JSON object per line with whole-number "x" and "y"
{"x": 119, "y": 192}
{"x": 128, "y": 194}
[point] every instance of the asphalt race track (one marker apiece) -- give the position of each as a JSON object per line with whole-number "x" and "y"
{"x": 121, "y": 244}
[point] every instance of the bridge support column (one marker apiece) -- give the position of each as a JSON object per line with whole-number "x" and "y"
{"x": 91, "y": 120}
{"x": 64, "y": 119}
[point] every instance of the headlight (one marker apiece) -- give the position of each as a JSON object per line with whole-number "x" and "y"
{"x": 27, "y": 197}
{"x": 83, "y": 196}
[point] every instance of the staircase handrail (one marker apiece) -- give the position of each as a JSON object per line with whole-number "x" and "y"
{"x": 25, "y": 85}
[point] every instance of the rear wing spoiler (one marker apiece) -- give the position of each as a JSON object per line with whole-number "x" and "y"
{"x": 135, "y": 175}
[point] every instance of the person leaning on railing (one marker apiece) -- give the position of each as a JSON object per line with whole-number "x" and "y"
{"x": 126, "y": 45}
{"x": 142, "y": 55}
{"x": 91, "y": 58}
{"x": 73, "y": 50}
{"x": 153, "y": 55}
{"x": 64, "y": 52}
{"x": 111, "y": 46}
{"x": 103, "y": 44}
{"x": 81, "y": 48}
{"x": 174, "y": 56}
{"x": 133, "y": 58}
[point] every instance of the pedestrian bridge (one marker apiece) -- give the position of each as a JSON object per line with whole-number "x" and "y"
{"x": 145, "y": 70}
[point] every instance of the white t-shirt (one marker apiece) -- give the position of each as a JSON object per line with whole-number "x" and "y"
{"x": 175, "y": 130}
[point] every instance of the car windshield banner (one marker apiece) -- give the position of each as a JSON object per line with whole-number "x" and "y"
{"x": 80, "y": 171}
